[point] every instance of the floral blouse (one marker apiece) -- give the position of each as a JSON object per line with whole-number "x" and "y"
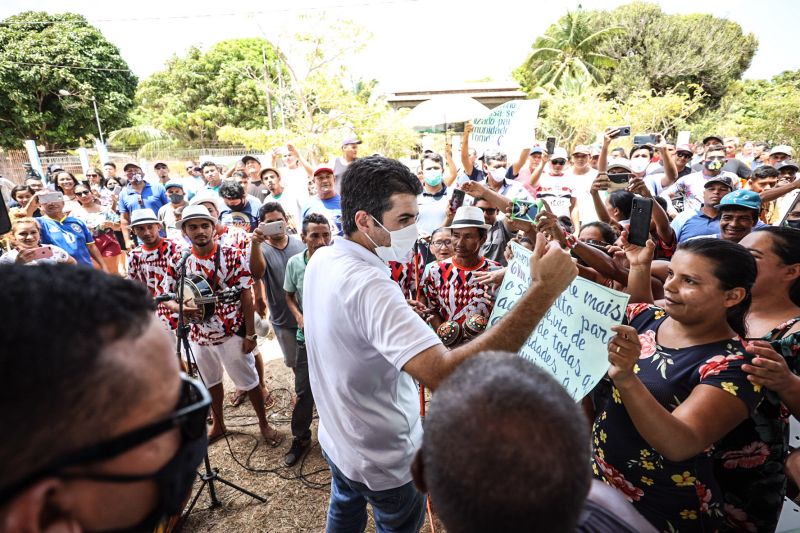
{"x": 678, "y": 496}
{"x": 748, "y": 462}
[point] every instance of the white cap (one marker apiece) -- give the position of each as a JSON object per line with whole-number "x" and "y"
{"x": 782, "y": 149}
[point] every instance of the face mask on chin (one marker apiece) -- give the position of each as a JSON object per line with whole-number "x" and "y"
{"x": 793, "y": 224}
{"x": 401, "y": 243}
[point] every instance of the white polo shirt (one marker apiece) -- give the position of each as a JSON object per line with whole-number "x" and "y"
{"x": 360, "y": 332}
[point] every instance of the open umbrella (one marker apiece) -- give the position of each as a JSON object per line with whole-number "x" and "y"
{"x": 443, "y": 110}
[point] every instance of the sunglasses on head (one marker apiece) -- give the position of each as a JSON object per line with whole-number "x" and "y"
{"x": 189, "y": 417}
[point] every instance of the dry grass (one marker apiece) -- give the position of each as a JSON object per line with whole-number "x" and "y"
{"x": 292, "y": 505}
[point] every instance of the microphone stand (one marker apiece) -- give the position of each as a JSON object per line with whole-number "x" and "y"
{"x": 210, "y": 475}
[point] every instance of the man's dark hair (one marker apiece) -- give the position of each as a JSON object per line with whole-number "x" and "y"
{"x": 59, "y": 377}
{"x": 314, "y": 218}
{"x": 739, "y": 209}
{"x": 368, "y": 185}
{"x": 432, "y": 156}
{"x": 622, "y": 200}
{"x": 208, "y": 164}
{"x": 647, "y": 147}
{"x": 505, "y": 449}
{"x": 111, "y": 164}
{"x": 230, "y": 190}
{"x": 765, "y": 171}
{"x": 761, "y": 144}
{"x": 270, "y": 207}
{"x": 606, "y": 230}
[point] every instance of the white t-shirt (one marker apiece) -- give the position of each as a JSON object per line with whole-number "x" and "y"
{"x": 295, "y": 193}
{"x": 558, "y": 192}
{"x": 360, "y": 332}
{"x": 59, "y": 256}
{"x": 581, "y": 186}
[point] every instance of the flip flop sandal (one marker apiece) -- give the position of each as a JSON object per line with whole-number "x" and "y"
{"x": 276, "y": 439}
{"x": 238, "y": 398}
{"x": 269, "y": 402}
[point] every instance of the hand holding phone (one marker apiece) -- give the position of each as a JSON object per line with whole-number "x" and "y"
{"x": 525, "y": 210}
{"x": 272, "y": 228}
{"x": 457, "y": 200}
{"x": 551, "y": 145}
{"x": 641, "y": 213}
{"x": 49, "y": 197}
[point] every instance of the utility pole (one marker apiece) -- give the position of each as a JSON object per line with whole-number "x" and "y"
{"x": 266, "y": 88}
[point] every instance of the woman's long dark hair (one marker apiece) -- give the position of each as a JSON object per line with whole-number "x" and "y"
{"x": 786, "y": 245}
{"x": 734, "y": 267}
{"x": 70, "y": 174}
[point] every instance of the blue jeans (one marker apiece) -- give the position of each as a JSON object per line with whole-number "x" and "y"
{"x": 400, "y": 510}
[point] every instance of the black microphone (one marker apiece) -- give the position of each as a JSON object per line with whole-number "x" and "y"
{"x": 184, "y": 257}
{"x": 166, "y": 297}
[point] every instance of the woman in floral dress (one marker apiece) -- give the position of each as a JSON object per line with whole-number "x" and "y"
{"x": 676, "y": 384}
{"x": 749, "y": 461}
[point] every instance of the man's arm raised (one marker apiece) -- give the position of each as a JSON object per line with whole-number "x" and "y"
{"x": 552, "y": 270}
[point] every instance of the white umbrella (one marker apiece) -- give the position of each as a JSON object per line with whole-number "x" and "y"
{"x": 443, "y": 110}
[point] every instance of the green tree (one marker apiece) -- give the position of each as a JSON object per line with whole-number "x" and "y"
{"x": 199, "y": 93}
{"x": 42, "y": 54}
{"x": 569, "y": 50}
{"x": 659, "y": 51}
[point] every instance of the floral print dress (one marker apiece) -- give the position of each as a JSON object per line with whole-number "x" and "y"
{"x": 748, "y": 462}
{"x": 674, "y": 496}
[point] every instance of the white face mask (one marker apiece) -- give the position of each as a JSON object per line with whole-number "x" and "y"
{"x": 401, "y": 243}
{"x": 639, "y": 165}
{"x": 498, "y": 174}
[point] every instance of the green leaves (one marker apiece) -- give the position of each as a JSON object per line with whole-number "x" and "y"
{"x": 41, "y": 54}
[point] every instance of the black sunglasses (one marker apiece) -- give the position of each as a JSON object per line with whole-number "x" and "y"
{"x": 558, "y": 162}
{"x": 92, "y": 175}
{"x": 189, "y": 416}
{"x": 83, "y": 193}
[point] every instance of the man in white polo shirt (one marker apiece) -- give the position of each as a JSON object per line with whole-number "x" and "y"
{"x": 366, "y": 346}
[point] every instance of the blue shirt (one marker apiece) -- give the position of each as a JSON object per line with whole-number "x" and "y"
{"x": 695, "y": 225}
{"x": 70, "y": 234}
{"x": 153, "y": 196}
{"x": 330, "y": 208}
{"x": 250, "y": 210}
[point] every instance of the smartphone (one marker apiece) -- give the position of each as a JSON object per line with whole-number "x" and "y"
{"x": 50, "y": 197}
{"x": 117, "y": 190}
{"x": 618, "y": 182}
{"x": 551, "y": 145}
{"x": 457, "y": 200}
{"x": 624, "y": 131}
{"x": 525, "y": 210}
{"x": 272, "y": 228}
{"x": 43, "y": 252}
{"x": 640, "y": 140}
{"x": 641, "y": 213}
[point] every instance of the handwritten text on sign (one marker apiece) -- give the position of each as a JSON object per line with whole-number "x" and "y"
{"x": 571, "y": 340}
{"x": 507, "y": 128}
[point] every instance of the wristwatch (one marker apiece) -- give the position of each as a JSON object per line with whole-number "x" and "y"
{"x": 252, "y": 337}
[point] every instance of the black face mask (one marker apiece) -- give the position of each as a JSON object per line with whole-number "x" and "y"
{"x": 239, "y": 207}
{"x": 174, "y": 481}
{"x": 793, "y": 223}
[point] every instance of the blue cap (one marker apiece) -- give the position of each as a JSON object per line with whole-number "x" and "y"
{"x": 173, "y": 183}
{"x": 537, "y": 150}
{"x": 742, "y": 198}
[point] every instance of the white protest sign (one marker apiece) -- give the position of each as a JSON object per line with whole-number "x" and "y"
{"x": 571, "y": 341}
{"x": 508, "y": 128}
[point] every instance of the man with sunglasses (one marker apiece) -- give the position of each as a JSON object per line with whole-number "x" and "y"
{"x": 556, "y": 189}
{"x": 692, "y": 185}
{"x": 730, "y": 163}
{"x": 138, "y": 194}
{"x": 657, "y": 179}
{"x": 126, "y": 454}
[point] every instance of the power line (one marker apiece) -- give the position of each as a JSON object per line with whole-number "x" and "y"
{"x": 211, "y": 15}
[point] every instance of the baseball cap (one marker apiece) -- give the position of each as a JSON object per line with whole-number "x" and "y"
{"x": 322, "y": 168}
{"x": 714, "y": 137}
{"x": 786, "y": 165}
{"x": 719, "y": 179}
{"x": 618, "y": 162}
{"x": 581, "y": 149}
{"x": 742, "y": 198}
{"x": 247, "y": 158}
{"x": 595, "y": 150}
{"x": 173, "y": 183}
{"x": 159, "y": 163}
{"x": 559, "y": 153}
{"x": 210, "y": 197}
{"x": 143, "y": 216}
{"x": 267, "y": 169}
{"x": 782, "y": 149}
{"x": 537, "y": 150}
{"x": 684, "y": 148}
{"x": 195, "y": 212}
{"x": 131, "y": 164}
{"x": 351, "y": 140}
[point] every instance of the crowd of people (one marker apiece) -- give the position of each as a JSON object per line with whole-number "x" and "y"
{"x": 377, "y": 279}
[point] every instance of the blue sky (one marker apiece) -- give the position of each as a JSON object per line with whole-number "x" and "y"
{"x": 465, "y": 40}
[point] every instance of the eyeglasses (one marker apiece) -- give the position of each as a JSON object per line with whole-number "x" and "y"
{"x": 92, "y": 175}
{"x": 558, "y": 162}
{"x": 442, "y": 244}
{"x": 189, "y": 416}
{"x": 83, "y": 193}
{"x": 489, "y": 210}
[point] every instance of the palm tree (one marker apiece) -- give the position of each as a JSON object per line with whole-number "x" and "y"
{"x": 568, "y": 51}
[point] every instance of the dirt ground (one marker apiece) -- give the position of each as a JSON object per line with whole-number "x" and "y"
{"x": 297, "y": 497}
